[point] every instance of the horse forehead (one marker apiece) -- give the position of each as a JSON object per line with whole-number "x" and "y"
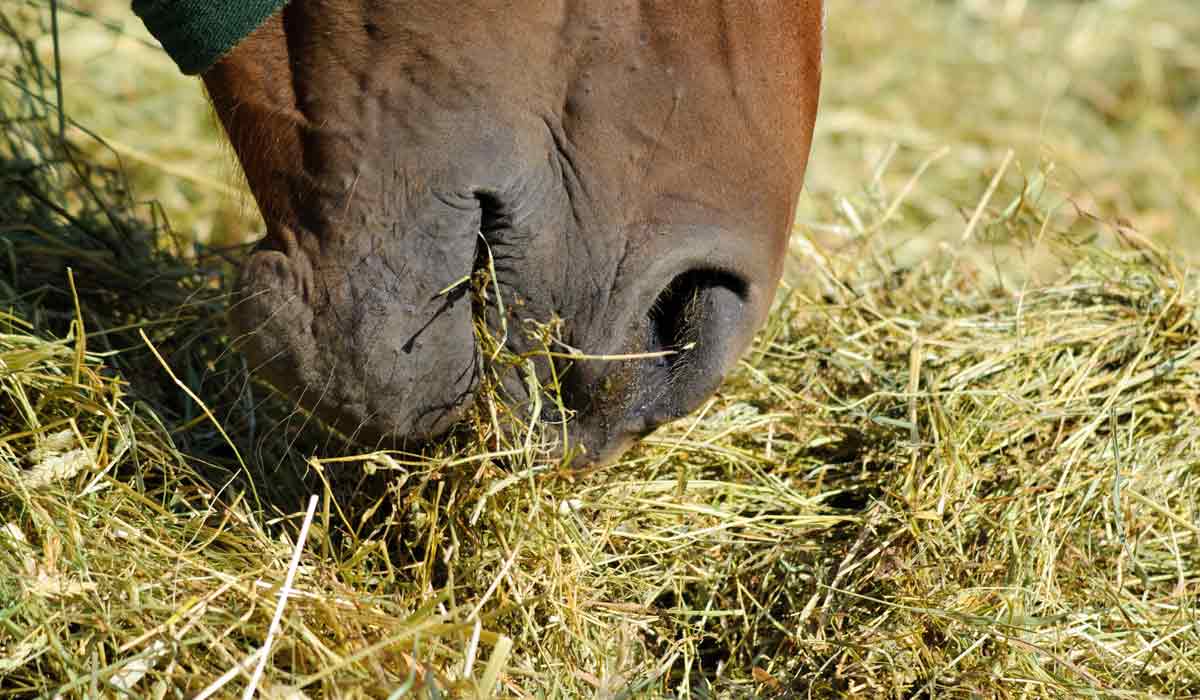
{"x": 634, "y": 56}
{"x": 759, "y": 52}
{"x": 701, "y": 67}
{"x": 551, "y": 31}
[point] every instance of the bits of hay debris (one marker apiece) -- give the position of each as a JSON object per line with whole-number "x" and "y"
{"x": 55, "y": 460}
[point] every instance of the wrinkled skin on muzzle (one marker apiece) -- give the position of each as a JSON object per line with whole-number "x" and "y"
{"x": 629, "y": 168}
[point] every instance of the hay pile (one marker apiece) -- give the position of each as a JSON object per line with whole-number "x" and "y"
{"x": 927, "y": 478}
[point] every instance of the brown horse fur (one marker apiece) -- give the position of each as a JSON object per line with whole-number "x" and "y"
{"x": 630, "y": 167}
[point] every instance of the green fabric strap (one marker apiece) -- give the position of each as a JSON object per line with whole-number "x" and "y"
{"x": 196, "y": 33}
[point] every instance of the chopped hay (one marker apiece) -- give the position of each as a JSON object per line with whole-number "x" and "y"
{"x": 928, "y": 477}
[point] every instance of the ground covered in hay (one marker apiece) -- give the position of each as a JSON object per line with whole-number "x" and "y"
{"x": 963, "y": 458}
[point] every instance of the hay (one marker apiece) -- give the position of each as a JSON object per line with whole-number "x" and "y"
{"x": 1097, "y": 102}
{"x": 937, "y": 474}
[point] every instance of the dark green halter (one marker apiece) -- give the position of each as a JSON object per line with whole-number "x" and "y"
{"x": 196, "y": 33}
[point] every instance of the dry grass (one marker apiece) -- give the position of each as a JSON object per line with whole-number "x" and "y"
{"x": 1098, "y": 102}
{"x": 945, "y": 469}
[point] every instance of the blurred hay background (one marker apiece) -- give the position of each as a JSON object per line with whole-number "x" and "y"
{"x": 961, "y": 460}
{"x": 1098, "y": 102}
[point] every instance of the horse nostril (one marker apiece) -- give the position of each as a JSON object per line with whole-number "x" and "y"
{"x": 677, "y": 318}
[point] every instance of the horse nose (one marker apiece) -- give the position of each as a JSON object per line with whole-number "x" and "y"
{"x": 693, "y": 336}
{"x": 680, "y": 351}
